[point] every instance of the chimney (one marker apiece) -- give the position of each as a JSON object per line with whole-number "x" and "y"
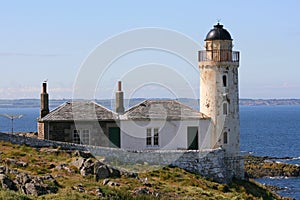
{"x": 44, "y": 101}
{"x": 120, "y": 99}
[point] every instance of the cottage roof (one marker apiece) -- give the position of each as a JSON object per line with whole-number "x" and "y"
{"x": 162, "y": 109}
{"x": 80, "y": 110}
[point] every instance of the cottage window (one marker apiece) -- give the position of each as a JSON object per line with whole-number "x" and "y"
{"x": 225, "y": 108}
{"x": 156, "y": 137}
{"x": 85, "y": 136}
{"x": 148, "y": 137}
{"x": 81, "y": 136}
{"x": 76, "y": 137}
{"x": 152, "y": 137}
{"x": 225, "y": 138}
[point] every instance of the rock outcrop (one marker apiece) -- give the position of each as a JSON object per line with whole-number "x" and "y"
{"x": 27, "y": 184}
{"x": 257, "y": 167}
{"x": 90, "y": 166}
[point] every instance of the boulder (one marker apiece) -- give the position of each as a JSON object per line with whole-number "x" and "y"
{"x": 6, "y": 183}
{"x": 88, "y": 168}
{"x": 49, "y": 178}
{"x": 128, "y": 174}
{"x": 33, "y": 185}
{"x": 61, "y": 166}
{"x": 10, "y": 161}
{"x": 99, "y": 193}
{"x": 113, "y": 184}
{"x": 2, "y": 169}
{"x": 32, "y": 189}
{"x": 21, "y": 164}
{"x": 146, "y": 190}
{"x": 114, "y": 172}
{"x": 141, "y": 190}
{"x": 105, "y": 181}
{"x": 79, "y": 187}
{"x": 38, "y": 189}
{"x": 97, "y": 164}
{"x": 78, "y": 162}
{"x": 51, "y": 166}
{"x": 102, "y": 172}
{"x": 22, "y": 179}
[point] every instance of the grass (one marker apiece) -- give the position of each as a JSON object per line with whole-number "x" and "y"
{"x": 11, "y": 195}
{"x": 166, "y": 182}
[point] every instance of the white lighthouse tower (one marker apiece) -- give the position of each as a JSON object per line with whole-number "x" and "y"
{"x": 219, "y": 93}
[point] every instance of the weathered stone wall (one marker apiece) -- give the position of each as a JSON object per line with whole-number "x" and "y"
{"x": 219, "y": 95}
{"x": 41, "y": 130}
{"x": 63, "y": 131}
{"x": 34, "y": 142}
{"x": 210, "y": 163}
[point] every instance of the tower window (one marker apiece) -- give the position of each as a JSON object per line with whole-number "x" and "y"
{"x": 225, "y": 108}
{"x": 224, "y": 80}
{"x": 225, "y": 138}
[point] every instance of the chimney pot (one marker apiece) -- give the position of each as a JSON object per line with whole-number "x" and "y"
{"x": 44, "y": 88}
{"x": 120, "y": 99}
{"x": 119, "y": 86}
{"x": 44, "y": 101}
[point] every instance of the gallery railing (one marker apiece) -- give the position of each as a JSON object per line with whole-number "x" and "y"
{"x": 219, "y": 56}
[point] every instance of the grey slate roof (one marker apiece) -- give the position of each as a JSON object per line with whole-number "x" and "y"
{"x": 81, "y": 110}
{"x": 162, "y": 109}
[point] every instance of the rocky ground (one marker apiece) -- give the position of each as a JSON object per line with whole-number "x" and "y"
{"x": 13, "y": 177}
{"x": 53, "y": 173}
{"x": 258, "y": 167}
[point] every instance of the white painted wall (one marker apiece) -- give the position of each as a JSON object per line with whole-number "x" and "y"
{"x": 172, "y": 134}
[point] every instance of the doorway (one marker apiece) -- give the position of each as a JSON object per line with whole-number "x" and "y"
{"x": 114, "y": 137}
{"x": 192, "y": 138}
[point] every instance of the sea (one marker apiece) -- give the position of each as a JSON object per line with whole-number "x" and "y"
{"x": 265, "y": 131}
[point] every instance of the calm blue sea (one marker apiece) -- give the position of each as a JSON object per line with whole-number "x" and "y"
{"x": 273, "y": 131}
{"x": 265, "y": 131}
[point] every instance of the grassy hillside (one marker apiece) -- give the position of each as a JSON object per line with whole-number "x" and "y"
{"x": 164, "y": 183}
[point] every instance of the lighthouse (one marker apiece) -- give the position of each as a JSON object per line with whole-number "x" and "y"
{"x": 219, "y": 91}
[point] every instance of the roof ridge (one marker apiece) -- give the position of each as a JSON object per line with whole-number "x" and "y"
{"x": 104, "y": 107}
{"x": 134, "y": 106}
{"x": 51, "y": 112}
{"x": 187, "y": 106}
{"x": 71, "y": 107}
{"x": 175, "y": 109}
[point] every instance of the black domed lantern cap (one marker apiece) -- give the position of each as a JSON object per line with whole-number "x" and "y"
{"x": 218, "y": 33}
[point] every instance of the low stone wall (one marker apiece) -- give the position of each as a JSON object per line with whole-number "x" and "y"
{"x": 34, "y": 142}
{"x": 210, "y": 163}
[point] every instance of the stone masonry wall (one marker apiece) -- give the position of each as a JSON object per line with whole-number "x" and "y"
{"x": 210, "y": 163}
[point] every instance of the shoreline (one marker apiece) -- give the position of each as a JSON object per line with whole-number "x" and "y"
{"x": 266, "y": 166}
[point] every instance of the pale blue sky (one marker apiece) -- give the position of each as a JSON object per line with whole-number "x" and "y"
{"x": 40, "y": 40}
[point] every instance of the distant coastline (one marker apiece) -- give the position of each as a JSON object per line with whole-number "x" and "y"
{"x": 33, "y": 103}
{"x": 268, "y": 102}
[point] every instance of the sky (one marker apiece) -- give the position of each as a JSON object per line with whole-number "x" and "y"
{"x": 53, "y": 40}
